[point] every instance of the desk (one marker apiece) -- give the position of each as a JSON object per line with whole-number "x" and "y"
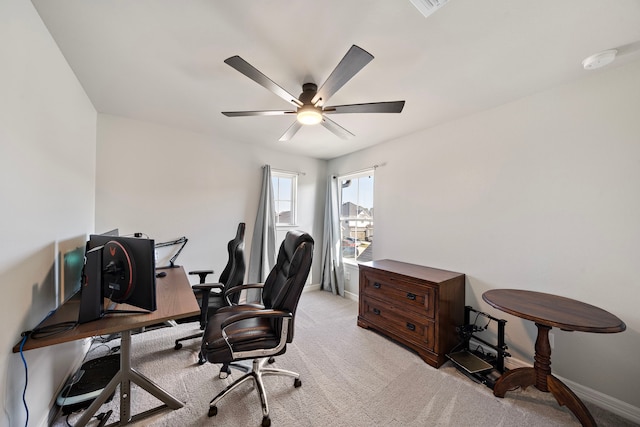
{"x": 547, "y": 311}
{"x": 175, "y": 300}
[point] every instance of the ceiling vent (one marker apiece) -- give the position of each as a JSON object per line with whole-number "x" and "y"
{"x": 427, "y": 7}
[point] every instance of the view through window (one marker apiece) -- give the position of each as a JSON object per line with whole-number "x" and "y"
{"x": 284, "y": 196}
{"x": 356, "y": 216}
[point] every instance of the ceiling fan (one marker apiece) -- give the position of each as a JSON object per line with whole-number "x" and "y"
{"x": 310, "y": 106}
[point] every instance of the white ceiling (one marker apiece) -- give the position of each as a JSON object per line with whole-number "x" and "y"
{"x": 162, "y": 60}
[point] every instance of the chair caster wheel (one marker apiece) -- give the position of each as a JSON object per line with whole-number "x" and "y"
{"x": 178, "y": 346}
{"x": 213, "y": 411}
{"x": 224, "y": 373}
{"x": 297, "y": 383}
{"x": 271, "y": 360}
{"x": 266, "y": 422}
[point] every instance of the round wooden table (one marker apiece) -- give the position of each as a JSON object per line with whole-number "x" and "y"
{"x": 548, "y": 311}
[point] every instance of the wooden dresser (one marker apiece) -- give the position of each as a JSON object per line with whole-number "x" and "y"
{"x": 417, "y": 306}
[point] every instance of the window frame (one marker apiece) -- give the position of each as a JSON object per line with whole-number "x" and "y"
{"x": 355, "y": 175}
{"x": 293, "y": 177}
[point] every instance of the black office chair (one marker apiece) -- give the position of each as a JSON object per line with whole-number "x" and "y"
{"x": 252, "y": 331}
{"x": 232, "y": 276}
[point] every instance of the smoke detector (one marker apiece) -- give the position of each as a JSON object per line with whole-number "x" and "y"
{"x": 427, "y": 7}
{"x": 600, "y": 59}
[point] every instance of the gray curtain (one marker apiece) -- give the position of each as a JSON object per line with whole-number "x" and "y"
{"x": 332, "y": 274}
{"x": 263, "y": 244}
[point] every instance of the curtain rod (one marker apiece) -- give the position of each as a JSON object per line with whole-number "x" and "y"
{"x": 286, "y": 171}
{"x": 374, "y": 167}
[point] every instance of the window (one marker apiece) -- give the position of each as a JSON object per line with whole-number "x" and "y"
{"x": 356, "y": 216}
{"x": 285, "y": 188}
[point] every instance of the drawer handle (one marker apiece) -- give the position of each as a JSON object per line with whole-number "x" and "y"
{"x": 377, "y": 285}
{"x": 411, "y": 326}
{"x": 376, "y": 311}
{"x": 411, "y": 296}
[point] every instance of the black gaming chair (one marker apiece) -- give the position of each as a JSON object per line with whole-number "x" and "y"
{"x": 259, "y": 332}
{"x": 211, "y": 296}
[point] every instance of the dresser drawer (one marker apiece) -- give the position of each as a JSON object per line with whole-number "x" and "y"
{"x": 397, "y": 321}
{"x": 416, "y": 297}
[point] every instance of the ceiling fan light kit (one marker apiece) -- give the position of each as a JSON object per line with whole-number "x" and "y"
{"x": 309, "y": 115}
{"x": 310, "y": 106}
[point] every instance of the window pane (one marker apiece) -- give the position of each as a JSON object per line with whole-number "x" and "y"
{"x": 284, "y": 191}
{"x": 282, "y": 213}
{"x": 365, "y": 194}
{"x": 349, "y": 191}
{"x": 357, "y": 217}
{"x": 284, "y": 197}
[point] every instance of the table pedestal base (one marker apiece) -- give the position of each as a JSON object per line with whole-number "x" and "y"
{"x": 524, "y": 377}
{"x": 540, "y": 377}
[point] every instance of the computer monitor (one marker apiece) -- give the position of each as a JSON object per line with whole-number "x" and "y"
{"x": 70, "y": 265}
{"x": 71, "y": 272}
{"x": 121, "y": 269}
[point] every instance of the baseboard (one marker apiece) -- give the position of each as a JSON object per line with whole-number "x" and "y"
{"x": 347, "y": 294}
{"x": 351, "y": 296}
{"x": 611, "y": 404}
{"x": 308, "y": 288}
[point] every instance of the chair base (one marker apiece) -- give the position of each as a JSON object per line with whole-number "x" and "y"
{"x": 178, "y": 345}
{"x": 256, "y": 373}
{"x": 225, "y": 370}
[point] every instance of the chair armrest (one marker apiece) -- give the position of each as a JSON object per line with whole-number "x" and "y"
{"x": 202, "y": 273}
{"x": 208, "y": 286}
{"x": 205, "y": 291}
{"x": 240, "y": 288}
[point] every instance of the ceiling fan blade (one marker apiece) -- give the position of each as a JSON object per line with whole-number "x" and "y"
{"x": 373, "y": 107}
{"x": 336, "y": 128}
{"x": 354, "y": 61}
{"x": 250, "y": 71}
{"x": 295, "y": 127}
{"x": 257, "y": 113}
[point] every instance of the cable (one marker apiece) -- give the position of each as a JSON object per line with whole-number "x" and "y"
{"x": 25, "y": 336}
{"x": 26, "y": 378}
{"x": 53, "y": 329}
{"x": 36, "y": 333}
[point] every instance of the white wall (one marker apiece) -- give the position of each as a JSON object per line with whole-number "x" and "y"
{"x": 47, "y": 188}
{"x": 540, "y": 194}
{"x": 168, "y": 183}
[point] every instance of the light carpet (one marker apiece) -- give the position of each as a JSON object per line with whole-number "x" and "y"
{"x": 350, "y": 377}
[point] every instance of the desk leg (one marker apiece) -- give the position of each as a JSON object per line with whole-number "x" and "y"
{"x": 124, "y": 377}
